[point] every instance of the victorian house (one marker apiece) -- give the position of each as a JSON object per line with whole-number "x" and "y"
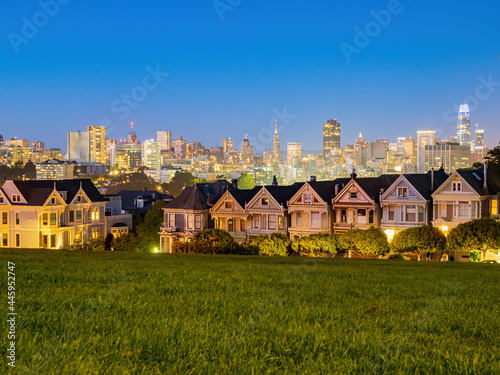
{"x": 466, "y": 195}
{"x": 357, "y": 205}
{"x": 229, "y": 212}
{"x": 189, "y": 213}
{"x": 267, "y": 211}
{"x": 50, "y": 214}
{"x": 408, "y": 201}
{"x": 310, "y": 209}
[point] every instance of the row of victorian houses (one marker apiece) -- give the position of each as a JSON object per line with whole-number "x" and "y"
{"x": 389, "y": 202}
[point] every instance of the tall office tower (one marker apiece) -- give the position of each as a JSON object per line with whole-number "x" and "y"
{"x": 479, "y": 141}
{"x": 424, "y": 138}
{"x": 360, "y": 146}
{"x": 246, "y": 151}
{"x": 1, "y": 140}
{"x": 400, "y": 148}
{"x": 463, "y": 127}
{"x": 377, "y": 150}
{"x": 450, "y": 156}
{"x": 276, "y": 145}
{"x": 410, "y": 151}
{"x": 79, "y": 147}
{"x": 227, "y": 145}
{"x": 151, "y": 154}
{"x": 97, "y": 138}
{"x": 14, "y": 142}
{"x": 164, "y": 138}
{"x": 331, "y": 136}
{"x": 293, "y": 150}
{"x": 132, "y": 137}
{"x": 180, "y": 147}
{"x": 128, "y": 156}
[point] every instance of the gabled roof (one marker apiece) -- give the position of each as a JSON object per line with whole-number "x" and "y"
{"x": 36, "y": 192}
{"x": 475, "y": 178}
{"x": 422, "y": 182}
{"x": 282, "y": 194}
{"x": 200, "y": 196}
{"x": 373, "y": 185}
{"x": 326, "y": 189}
{"x": 128, "y": 198}
{"x": 244, "y": 196}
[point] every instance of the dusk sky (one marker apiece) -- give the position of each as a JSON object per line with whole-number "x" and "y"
{"x": 230, "y": 72}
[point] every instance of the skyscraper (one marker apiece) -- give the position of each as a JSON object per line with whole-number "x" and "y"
{"x": 79, "y": 147}
{"x": 331, "y": 136}
{"x": 97, "y": 139}
{"x": 227, "y": 145}
{"x": 151, "y": 154}
{"x": 132, "y": 137}
{"x": 479, "y": 137}
{"x": 276, "y": 145}
{"x": 246, "y": 151}
{"x": 463, "y": 127}
{"x": 164, "y": 138}
{"x": 424, "y": 138}
{"x": 293, "y": 150}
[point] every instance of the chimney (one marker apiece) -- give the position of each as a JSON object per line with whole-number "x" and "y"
{"x": 353, "y": 174}
{"x": 336, "y": 189}
{"x": 432, "y": 179}
{"x": 485, "y": 186}
{"x": 313, "y": 178}
{"x": 275, "y": 181}
{"x": 234, "y": 182}
{"x": 210, "y": 200}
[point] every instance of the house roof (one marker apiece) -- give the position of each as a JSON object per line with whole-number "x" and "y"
{"x": 282, "y": 194}
{"x": 200, "y": 196}
{"x": 150, "y": 196}
{"x": 326, "y": 189}
{"x": 373, "y": 185}
{"x": 475, "y": 178}
{"x": 36, "y": 192}
{"x": 244, "y": 196}
{"x": 422, "y": 182}
{"x": 119, "y": 225}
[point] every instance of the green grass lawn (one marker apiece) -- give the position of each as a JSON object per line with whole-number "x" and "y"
{"x": 191, "y": 314}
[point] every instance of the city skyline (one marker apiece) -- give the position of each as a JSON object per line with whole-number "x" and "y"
{"x": 221, "y": 71}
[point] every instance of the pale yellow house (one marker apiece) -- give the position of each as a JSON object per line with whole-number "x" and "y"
{"x": 50, "y": 214}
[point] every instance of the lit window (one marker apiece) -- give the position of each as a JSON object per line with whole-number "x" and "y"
{"x": 95, "y": 233}
{"x": 95, "y": 214}
{"x": 79, "y": 215}
{"x": 229, "y": 204}
{"x": 402, "y": 192}
{"x": 53, "y": 218}
{"x": 494, "y": 207}
{"x": 264, "y": 202}
{"x": 45, "y": 219}
{"x": 190, "y": 221}
{"x": 343, "y": 216}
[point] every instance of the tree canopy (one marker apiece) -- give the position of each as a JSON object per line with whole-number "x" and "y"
{"x": 493, "y": 159}
{"x": 419, "y": 240}
{"x": 179, "y": 181}
{"x": 369, "y": 242}
{"x": 481, "y": 235}
{"x": 316, "y": 244}
{"x": 245, "y": 181}
{"x": 276, "y": 244}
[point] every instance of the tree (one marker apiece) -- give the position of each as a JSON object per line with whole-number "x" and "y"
{"x": 481, "y": 235}
{"x": 493, "y": 159}
{"x": 419, "y": 240}
{"x": 245, "y": 181}
{"x": 316, "y": 244}
{"x": 179, "y": 181}
{"x": 148, "y": 230}
{"x": 369, "y": 242}
{"x": 276, "y": 244}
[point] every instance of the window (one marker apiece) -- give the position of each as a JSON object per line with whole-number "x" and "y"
{"x": 79, "y": 198}
{"x": 52, "y": 240}
{"x": 4, "y": 218}
{"x": 95, "y": 233}
{"x": 18, "y": 240}
{"x": 315, "y": 219}
{"x": 354, "y": 195}
{"x": 95, "y": 214}
{"x": 494, "y": 207}
{"x": 5, "y": 239}
{"x": 271, "y": 222}
{"x": 1, "y": 199}
{"x": 298, "y": 218}
{"x": 71, "y": 216}
{"x": 307, "y": 198}
{"x": 197, "y": 221}
{"x": 256, "y": 222}
{"x": 243, "y": 225}
{"x": 456, "y": 186}
{"x": 402, "y": 192}
{"x": 78, "y": 215}
{"x": 410, "y": 213}
{"x": 16, "y": 198}
{"x": 343, "y": 216}
{"x": 362, "y": 212}
{"x": 190, "y": 221}
{"x": 230, "y": 225}
{"x": 45, "y": 219}
{"x": 17, "y": 218}
{"x": 228, "y": 205}
{"x": 264, "y": 202}
{"x": 53, "y": 201}
{"x": 107, "y": 212}
{"x": 281, "y": 223}
{"x": 463, "y": 209}
{"x": 171, "y": 220}
{"x": 420, "y": 214}
{"x": 391, "y": 212}
{"x": 53, "y": 218}
{"x": 370, "y": 217}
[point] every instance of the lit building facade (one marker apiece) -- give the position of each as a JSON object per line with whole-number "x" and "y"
{"x": 151, "y": 154}
{"x": 424, "y": 138}
{"x": 331, "y": 136}
{"x": 97, "y": 141}
{"x": 293, "y": 150}
{"x": 463, "y": 126}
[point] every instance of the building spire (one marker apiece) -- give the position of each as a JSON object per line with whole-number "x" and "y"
{"x": 276, "y": 128}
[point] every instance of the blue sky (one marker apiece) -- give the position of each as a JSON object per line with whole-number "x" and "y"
{"x": 232, "y": 72}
